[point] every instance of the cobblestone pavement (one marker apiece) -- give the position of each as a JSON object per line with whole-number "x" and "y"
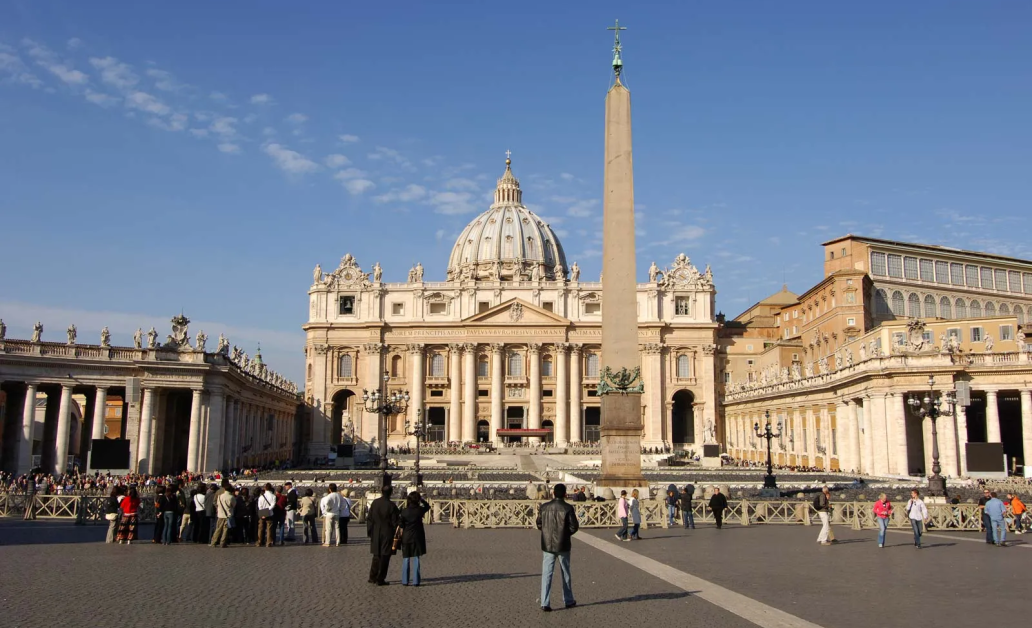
{"x": 491, "y": 578}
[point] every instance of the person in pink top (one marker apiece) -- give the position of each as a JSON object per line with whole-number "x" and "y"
{"x": 882, "y": 514}
{"x": 622, "y": 511}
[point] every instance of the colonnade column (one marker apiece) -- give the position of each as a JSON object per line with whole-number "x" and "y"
{"x": 876, "y": 424}
{"x": 992, "y": 417}
{"x": 418, "y": 382}
{"x": 946, "y": 426}
{"x": 193, "y": 451}
{"x": 215, "y": 444}
{"x": 99, "y": 413}
{"x": 653, "y": 363}
{"x": 962, "y": 440}
{"x": 454, "y": 430}
{"x": 897, "y": 435}
{"x": 469, "y": 391}
{"x": 26, "y": 436}
{"x": 534, "y": 352}
{"x": 562, "y": 407}
{"x": 64, "y": 426}
{"x": 576, "y": 418}
{"x": 853, "y": 425}
{"x": 1026, "y": 428}
{"x": 497, "y": 391}
{"x": 143, "y": 453}
{"x": 844, "y": 426}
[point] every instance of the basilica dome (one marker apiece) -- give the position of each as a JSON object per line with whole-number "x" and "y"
{"x": 507, "y": 242}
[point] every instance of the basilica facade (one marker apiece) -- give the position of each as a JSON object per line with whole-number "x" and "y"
{"x": 509, "y": 341}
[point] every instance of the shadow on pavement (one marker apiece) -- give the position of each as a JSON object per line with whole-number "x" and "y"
{"x": 475, "y": 578}
{"x": 642, "y": 598}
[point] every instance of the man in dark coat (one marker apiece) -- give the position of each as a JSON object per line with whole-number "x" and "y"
{"x": 718, "y": 504}
{"x": 557, "y": 521}
{"x": 686, "y": 506}
{"x": 381, "y": 522}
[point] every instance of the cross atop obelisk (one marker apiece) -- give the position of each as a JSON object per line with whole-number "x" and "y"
{"x": 617, "y": 48}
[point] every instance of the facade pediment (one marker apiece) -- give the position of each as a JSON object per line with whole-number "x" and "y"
{"x": 517, "y": 312}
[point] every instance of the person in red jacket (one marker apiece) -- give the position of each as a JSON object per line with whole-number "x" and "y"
{"x": 130, "y": 506}
{"x": 882, "y": 513}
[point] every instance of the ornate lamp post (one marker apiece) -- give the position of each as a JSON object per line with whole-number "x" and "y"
{"x": 931, "y": 407}
{"x": 383, "y": 404}
{"x": 419, "y": 431}
{"x": 770, "y": 483}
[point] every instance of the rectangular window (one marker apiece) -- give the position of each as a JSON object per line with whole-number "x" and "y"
{"x": 483, "y": 306}
{"x": 850, "y": 321}
{"x": 592, "y": 308}
{"x": 971, "y": 276}
{"x": 436, "y": 393}
{"x": 682, "y": 306}
{"x": 546, "y": 393}
{"x": 483, "y": 393}
{"x": 942, "y": 272}
{"x": 795, "y": 357}
{"x": 927, "y": 270}
{"x": 927, "y": 336}
{"x": 910, "y": 267}
{"x": 727, "y": 377}
{"x": 548, "y": 306}
{"x": 1006, "y": 332}
{"x": 976, "y": 334}
{"x": 1015, "y": 281}
{"x": 899, "y": 339}
{"x": 438, "y": 308}
{"x": 398, "y": 309}
{"x": 347, "y": 306}
{"x": 749, "y": 362}
{"x": 546, "y": 368}
{"x": 957, "y": 274}
{"x": 1001, "y": 280}
{"x": 953, "y": 332}
{"x": 1027, "y": 277}
{"x": 895, "y": 266}
{"x": 878, "y": 265}
{"x": 987, "y": 277}
{"x": 593, "y": 392}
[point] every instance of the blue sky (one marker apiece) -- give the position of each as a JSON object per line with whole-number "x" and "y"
{"x": 205, "y": 156}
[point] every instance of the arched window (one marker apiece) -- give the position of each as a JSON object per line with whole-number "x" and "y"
{"x": 1004, "y": 309}
{"x": 531, "y": 252}
{"x": 309, "y": 371}
{"x": 914, "y": 306}
{"x": 437, "y": 365}
{"x": 945, "y": 309}
{"x": 682, "y": 366}
{"x": 960, "y": 308}
{"x": 515, "y": 365}
{"x": 345, "y": 367}
{"x": 482, "y": 367}
{"x": 990, "y": 308}
{"x": 1019, "y": 314}
{"x": 396, "y": 366}
{"x": 975, "y": 308}
{"x": 897, "y": 304}
{"x": 929, "y": 306}
{"x": 881, "y": 303}
{"x": 592, "y": 370}
{"x": 546, "y": 367}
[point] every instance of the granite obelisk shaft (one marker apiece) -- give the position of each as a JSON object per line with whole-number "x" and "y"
{"x": 621, "y": 411}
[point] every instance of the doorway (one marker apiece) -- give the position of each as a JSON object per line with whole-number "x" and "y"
{"x": 592, "y": 424}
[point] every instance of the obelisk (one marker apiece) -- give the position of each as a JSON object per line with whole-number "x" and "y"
{"x": 620, "y": 385}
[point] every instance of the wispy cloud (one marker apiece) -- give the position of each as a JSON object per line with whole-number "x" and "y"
{"x": 389, "y": 154}
{"x": 14, "y": 70}
{"x": 289, "y": 161}
{"x": 407, "y": 194}
{"x": 115, "y": 73}
{"x": 49, "y": 61}
{"x": 261, "y": 99}
{"x": 297, "y": 118}
{"x": 452, "y": 203}
{"x": 336, "y": 160}
{"x": 165, "y": 81}
{"x": 348, "y": 139}
{"x": 229, "y": 147}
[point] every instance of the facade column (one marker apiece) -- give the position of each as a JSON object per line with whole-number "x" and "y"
{"x": 1026, "y": 428}
{"x": 534, "y": 351}
{"x": 497, "y": 391}
{"x": 655, "y": 435}
{"x": 454, "y": 429}
{"x": 962, "y": 441}
{"x": 844, "y": 428}
{"x": 946, "y": 425}
{"x": 146, "y": 423}
{"x": 469, "y": 392}
{"x": 853, "y": 423}
{"x": 64, "y": 426}
{"x": 992, "y": 417}
{"x": 99, "y": 413}
{"x": 26, "y": 436}
{"x": 877, "y": 426}
{"x": 193, "y": 452}
{"x": 227, "y": 437}
{"x": 367, "y": 425}
{"x": 576, "y": 388}
{"x": 562, "y": 403}
{"x": 418, "y": 383}
{"x": 215, "y": 442}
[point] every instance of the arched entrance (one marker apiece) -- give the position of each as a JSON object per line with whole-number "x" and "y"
{"x": 483, "y": 431}
{"x": 343, "y": 402}
{"x": 682, "y": 419}
{"x": 514, "y": 420}
{"x": 435, "y": 425}
{"x": 548, "y": 425}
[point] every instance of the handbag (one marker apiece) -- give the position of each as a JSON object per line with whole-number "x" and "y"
{"x": 397, "y": 539}
{"x": 111, "y": 516}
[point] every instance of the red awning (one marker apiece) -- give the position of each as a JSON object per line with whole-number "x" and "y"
{"x": 524, "y": 432}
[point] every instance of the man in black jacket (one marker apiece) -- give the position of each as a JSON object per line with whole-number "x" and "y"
{"x": 381, "y": 522}
{"x": 557, "y": 521}
{"x": 718, "y": 504}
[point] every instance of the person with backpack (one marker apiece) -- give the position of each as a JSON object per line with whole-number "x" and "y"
{"x": 822, "y": 504}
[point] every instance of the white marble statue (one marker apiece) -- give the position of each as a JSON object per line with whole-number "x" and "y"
{"x": 944, "y": 343}
{"x": 202, "y": 338}
{"x": 105, "y": 337}
{"x": 849, "y": 357}
{"x": 863, "y": 351}
{"x": 988, "y": 343}
{"x": 377, "y": 272}
{"x": 823, "y": 363}
{"x": 3, "y": 329}
{"x": 37, "y": 332}
{"x": 317, "y": 274}
{"x": 152, "y": 338}
{"x": 560, "y": 272}
{"x": 535, "y": 272}
{"x": 653, "y": 272}
{"x": 412, "y": 275}
{"x": 1020, "y": 340}
{"x": 809, "y": 369}
{"x": 575, "y": 272}
{"x": 223, "y": 346}
{"x": 138, "y": 338}
{"x": 419, "y": 271}
{"x": 73, "y": 333}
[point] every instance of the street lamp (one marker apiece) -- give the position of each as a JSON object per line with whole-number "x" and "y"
{"x": 419, "y": 431}
{"x": 770, "y": 484}
{"x": 931, "y": 407}
{"x": 383, "y": 404}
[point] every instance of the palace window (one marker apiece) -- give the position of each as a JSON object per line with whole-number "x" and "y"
{"x": 850, "y": 322}
{"x": 910, "y": 267}
{"x": 1006, "y": 332}
{"x": 547, "y": 393}
{"x": 987, "y": 277}
{"x": 975, "y": 309}
{"x": 515, "y": 365}
{"x": 396, "y": 366}
{"x": 945, "y": 309}
{"x": 942, "y": 272}
{"x": 546, "y": 368}
{"x": 682, "y": 366}
{"x": 592, "y": 308}
{"x": 960, "y": 308}
{"x": 899, "y": 339}
{"x": 929, "y": 306}
{"x": 1004, "y": 309}
{"x": 1001, "y": 280}
{"x": 953, "y": 332}
{"x": 438, "y": 308}
{"x": 878, "y": 266}
{"x": 990, "y": 308}
{"x": 957, "y": 274}
{"x": 881, "y": 303}
{"x": 398, "y": 309}
{"x": 895, "y": 266}
{"x": 976, "y": 334}
{"x": 1015, "y": 281}
{"x": 971, "y": 276}
{"x": 897, "y": 303}
{"x": 682, "y": 306}
{"x": 1027, "y": 278}
{"x": 914, "y": 306}
{"x": 548, "y": 306}
{"x": 927, "y": 270}
{"x": 927, "y": 336}
{"x": 482, "y": 367}
{"x": 592, "y": 366}
{"x": 483, "y": 306}
{"x": 437, "y": 365}
{"x": 1019, "y": 314}
{"x": 345, "y": 366}
{"x": 346, "y": 306}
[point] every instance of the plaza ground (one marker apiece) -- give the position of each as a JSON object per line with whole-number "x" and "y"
{"x": 55, "y": 572}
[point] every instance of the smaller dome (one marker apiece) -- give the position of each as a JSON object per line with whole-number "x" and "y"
{"x": 507, "y": 242}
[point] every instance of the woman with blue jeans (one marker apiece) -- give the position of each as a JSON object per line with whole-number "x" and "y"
{"x": 413, "y": 537}
{"x": 917, "y": 512}
{"x": 882, "y": 514}
{"x": 168, "y": 533}
{"x": 623, "y": 511}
